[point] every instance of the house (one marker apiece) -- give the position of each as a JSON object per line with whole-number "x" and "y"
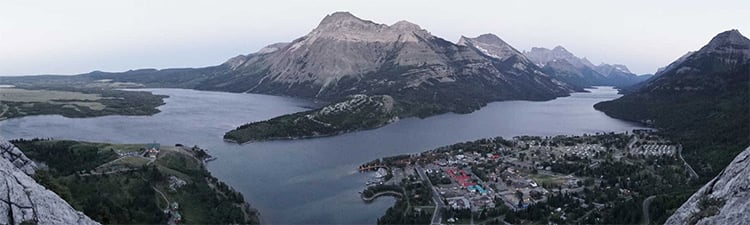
{"x": 151, "y": 150}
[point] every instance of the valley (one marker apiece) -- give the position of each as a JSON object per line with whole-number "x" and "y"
{"x": 359, "y": 122}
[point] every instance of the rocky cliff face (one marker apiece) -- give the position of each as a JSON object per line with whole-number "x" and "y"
{"x": 724, "y": 200}
{"x": 22, "y": 199}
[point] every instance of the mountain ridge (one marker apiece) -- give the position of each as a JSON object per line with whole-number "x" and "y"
{"x": 700, "y": 98}
{"x": 346, "y": 55}
{"x": 564, "y": 65}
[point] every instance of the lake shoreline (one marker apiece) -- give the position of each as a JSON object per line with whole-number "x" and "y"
{"x": 314, "y": 176}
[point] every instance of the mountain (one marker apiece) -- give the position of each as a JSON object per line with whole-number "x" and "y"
{"x": 564, "y": 65}
{"x": 542, "y": 56}
{"x": 23, "y": 200}
{"x": 492, "y": 46}
{"x": 506, "y": 58}
{"x": 700, "y": 100}
{"x": 346, "y": 55}
{"x": 722, "y": 200}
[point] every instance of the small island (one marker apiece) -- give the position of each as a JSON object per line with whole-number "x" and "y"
{"x": 137, "y": 183}
{"x": 357, "y": 112}
{"x": 602, "y": 178}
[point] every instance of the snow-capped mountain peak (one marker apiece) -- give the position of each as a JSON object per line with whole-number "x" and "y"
{"x": 490, "y": 45}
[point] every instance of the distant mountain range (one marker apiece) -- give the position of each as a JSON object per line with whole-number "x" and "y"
{"x": 425, "y": 74}
{"x": 563, "y": 65}
{"x": 346, "y": 55}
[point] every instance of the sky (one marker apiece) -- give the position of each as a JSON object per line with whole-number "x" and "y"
{"x": 79, "y": 36}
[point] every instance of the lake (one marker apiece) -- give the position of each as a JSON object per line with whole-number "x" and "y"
{"x": 314, "y": 181}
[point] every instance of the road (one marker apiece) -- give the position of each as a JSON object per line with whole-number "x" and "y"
{"x": 632, "y": 142}
{"x": 439, "y": 204}
{"x": 646, "y": 204}
{"x": 376, "y": 195}
{"x": 163, "y": 196}
{"x": 690, "y": 170}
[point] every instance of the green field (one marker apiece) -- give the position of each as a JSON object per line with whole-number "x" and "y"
{"x": 544, "y": 180}
{"x": 24, "y": 95}
{"x": 75, "y": 102}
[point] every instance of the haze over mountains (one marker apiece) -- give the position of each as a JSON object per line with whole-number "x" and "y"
{"x": 347, "y": 55}
{"x": 580, "y": 71}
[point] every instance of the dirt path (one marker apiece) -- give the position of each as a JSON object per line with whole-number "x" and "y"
{"x": 690, "y": 169}
{"x": 163, "y": 196}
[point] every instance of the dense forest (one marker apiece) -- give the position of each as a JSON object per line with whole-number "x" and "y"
{"x": 712, "y": 127}
{"x": 357, "y": 113}
{"x": 132, "y": 195}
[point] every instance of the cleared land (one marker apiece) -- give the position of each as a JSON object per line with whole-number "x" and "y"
{"x": 24, "y": 95}
{"x": 75, "y": 102}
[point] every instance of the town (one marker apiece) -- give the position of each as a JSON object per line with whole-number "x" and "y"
{"x": 561, "y": 179}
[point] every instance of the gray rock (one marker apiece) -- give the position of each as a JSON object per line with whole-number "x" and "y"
{"x": 14, "y": 155}
{"x": 724, "y": 200}
{"x": 22, "y": 199}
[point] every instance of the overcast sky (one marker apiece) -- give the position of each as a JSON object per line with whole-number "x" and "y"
{"x": 72, "y": 36}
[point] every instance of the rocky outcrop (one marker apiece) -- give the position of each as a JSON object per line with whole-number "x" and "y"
{"x": 724, "y": 200}
{"x": 24, "y": 200}
{"x": 16, "y": 157}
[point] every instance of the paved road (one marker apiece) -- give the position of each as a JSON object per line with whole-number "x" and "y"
{"x": 632, "y": 142}
{"x": 376, "y": 195}
{"x": 646, "y": 204}
{"x": 690, "y": 170}
{"x": 439, "y": 204}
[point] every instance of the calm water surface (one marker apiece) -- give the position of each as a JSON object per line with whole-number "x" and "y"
{"x": 314, "y": 181}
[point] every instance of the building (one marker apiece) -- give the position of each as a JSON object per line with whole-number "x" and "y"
{"x": 151, "y": 150}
